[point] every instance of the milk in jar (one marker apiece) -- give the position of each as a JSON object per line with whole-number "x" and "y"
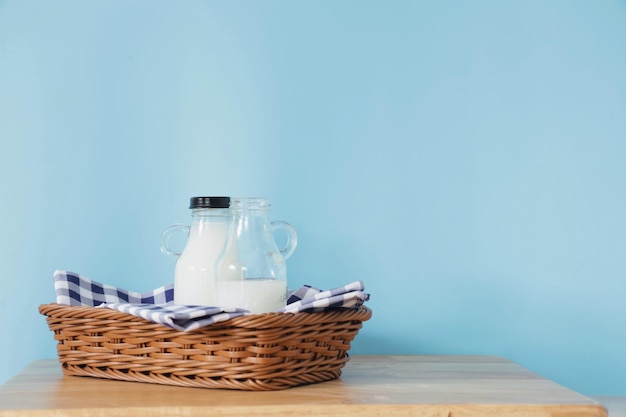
{"x": 251, "y": 271}
{"x": 256, "y": 295}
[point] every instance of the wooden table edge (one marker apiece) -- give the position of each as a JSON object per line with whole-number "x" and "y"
{"x": 336, "y": 410}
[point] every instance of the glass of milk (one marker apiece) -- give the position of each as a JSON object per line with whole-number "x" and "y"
{"x": 251, "y": 272}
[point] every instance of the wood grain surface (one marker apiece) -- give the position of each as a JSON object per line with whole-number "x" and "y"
{"x": 412, "y": 385}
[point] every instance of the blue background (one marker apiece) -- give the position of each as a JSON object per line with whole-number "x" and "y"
{"x": 465, "y": 159}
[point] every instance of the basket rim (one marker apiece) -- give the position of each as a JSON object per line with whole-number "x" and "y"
{"x": 264, "y": 320}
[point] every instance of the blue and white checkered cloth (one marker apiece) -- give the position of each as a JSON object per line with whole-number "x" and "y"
{"x": 158, "y": 305}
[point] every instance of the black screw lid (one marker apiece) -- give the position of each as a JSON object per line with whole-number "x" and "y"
{"x": 209, "y": 202}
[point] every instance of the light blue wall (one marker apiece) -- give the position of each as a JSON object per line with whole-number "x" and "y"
{"x": 465, "y": 159}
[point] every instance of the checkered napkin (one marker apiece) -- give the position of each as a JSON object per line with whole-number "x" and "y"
{"x": 157, "y": 306}
{"x": 308, "y": 298}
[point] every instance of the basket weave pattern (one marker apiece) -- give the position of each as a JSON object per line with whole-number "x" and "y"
{"x": 269, "y": 351}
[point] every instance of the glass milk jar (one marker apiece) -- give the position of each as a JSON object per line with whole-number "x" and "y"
{"x": 194, "y": 274}
{"x": 251, "y": 271}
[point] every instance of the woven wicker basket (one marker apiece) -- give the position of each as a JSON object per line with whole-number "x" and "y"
{"x": 269, "y": 351}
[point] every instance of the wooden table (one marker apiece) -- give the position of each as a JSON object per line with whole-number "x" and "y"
{"x": 433, "y": 386}
{"x": 615, "y": 404}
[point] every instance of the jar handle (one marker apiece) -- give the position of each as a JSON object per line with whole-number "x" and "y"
{"x": 167, "y": 235}
{"x": 292, "y": 237}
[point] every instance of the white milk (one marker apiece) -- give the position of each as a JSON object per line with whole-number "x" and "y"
{"x": 194, "y": 275}
{"x": 257, "y": 295}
